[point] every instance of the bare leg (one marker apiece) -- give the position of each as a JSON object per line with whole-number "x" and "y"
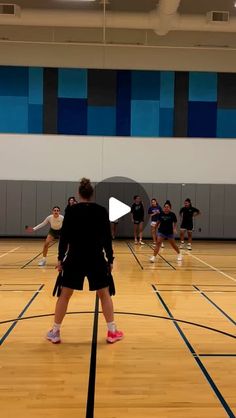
{"x": 135, "y": 232}
{"x": 107, "y": 304}
{"x": 140, "y": 231}
{"x": 182, "y": 235}
{"x": 190, "y": 234}
{"x": 62, "y": 303}
{"x": 113, "y": 232}
{"x": 158, "y": 245}
{"x": 173, "y": 245}
{"x": 47, "y": 242}
{"x": 153, "y": 231}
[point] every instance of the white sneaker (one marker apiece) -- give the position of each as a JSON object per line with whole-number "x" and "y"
{"x": 42, "y": 262}
{"x": 162, "y": 245}
{"x": 181, "y": 245}
{"x": 141, "y": 242}
{"x": 135, "y": 241}
{"x": 152, "y": 259}
{"x": 189, "y": 246}
{"x": 179, "y": 257}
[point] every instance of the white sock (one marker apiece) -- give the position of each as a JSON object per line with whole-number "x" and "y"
{"x": 56, "y": 327}
{"x": 111, "y": 326}
{"x": 182, "y": 242}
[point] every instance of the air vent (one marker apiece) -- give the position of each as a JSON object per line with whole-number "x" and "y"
{"x": 9, "y": 10}
{"x": 218, "y": 16}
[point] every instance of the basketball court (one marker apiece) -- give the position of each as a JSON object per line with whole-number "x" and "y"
{"x": 178, "y": 357}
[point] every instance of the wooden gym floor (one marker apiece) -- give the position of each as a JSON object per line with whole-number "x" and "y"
{"x": 178, "y": 357}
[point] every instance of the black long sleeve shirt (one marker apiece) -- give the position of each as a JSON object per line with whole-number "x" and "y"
{"x": 85, "y": 234}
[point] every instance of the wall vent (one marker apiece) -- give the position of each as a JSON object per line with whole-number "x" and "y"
{"x": 218, "y": 16}
{"x": 9, "y": 10}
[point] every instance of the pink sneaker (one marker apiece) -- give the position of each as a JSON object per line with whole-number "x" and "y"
{"x": 112, "y": 337}
{"x": 54, "y": 337}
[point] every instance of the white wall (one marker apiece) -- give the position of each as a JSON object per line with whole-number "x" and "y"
{"x": 158, "y": 160}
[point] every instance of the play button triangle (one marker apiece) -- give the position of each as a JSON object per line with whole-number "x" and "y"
{"x": 117, "y": 209}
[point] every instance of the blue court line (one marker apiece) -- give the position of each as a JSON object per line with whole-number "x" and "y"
{"x": 214, "y": 304}
{"x": 196, "y": 358}
{"x": 217, "y": 355}
{"x": 20, "y": 315}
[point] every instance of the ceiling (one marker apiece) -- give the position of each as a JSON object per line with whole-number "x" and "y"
{"x": 136, "y": 36}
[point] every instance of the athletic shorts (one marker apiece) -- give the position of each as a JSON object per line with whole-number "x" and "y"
{"x": 188, "y": 227}
{"x": 96, "y": 273}
{"x": 55, "y": 233}
{"x": 153, "y": 223}
{"x": 115, "y": 222}
{"x": 137, "y": 221}
{"x": 168, "y": 236}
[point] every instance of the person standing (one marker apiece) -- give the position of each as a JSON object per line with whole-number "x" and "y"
{"x": 154, "y": 211}
{"x": 166, "y": 230}
{"x": 81, "y": 254}
{"x": 55, "y": 221}
{"x": 137, "y": 214}
{"x": 187, "y": 213}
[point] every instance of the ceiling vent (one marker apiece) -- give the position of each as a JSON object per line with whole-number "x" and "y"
{"x": 9, "y": 10}
{"x": 218, "y": 16}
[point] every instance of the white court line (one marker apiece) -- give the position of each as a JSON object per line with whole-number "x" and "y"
{"x": 212, "y": 267}
{"x": 11, "y": 251}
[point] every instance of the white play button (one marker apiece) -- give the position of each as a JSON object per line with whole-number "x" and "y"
{"x": 117, "y": 209}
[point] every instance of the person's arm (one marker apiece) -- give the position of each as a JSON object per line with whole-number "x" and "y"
{"x": 132, "y": 212}
{"x": 196, "y": 212}
{"x": 174, "y": 224}
{"x": 142, "y": 211}
{"x": 39, "y": 226}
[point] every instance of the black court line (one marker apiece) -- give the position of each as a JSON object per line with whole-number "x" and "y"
{"x": 136, "y": 258}
{"x": 195, "y": 324}
{"x": 196, "y": 358}
{"x": 20, "y": 316}
{"x": 30, "y": 261}
{"x": 217, "y": 355}
{"x": 93, "y": 361}
{"x": 215, "y": 305}
{"x": 163, "y": 258}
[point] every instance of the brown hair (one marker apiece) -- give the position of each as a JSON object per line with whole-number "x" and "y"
{"x": 85, "y": 188}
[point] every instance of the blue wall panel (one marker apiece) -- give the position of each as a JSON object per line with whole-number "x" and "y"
{"x": 145, "y": 118}
{"x": 202, "y": 87}
{"x": 36, "y": 86}
{"x": 72, "y": 83}
{"x": 14, "y": 81}
{"x": 14, "y": 114}
{"x": 101, "y": 120}
{"x": 35, "y": 119}
{"x": 145, "y": 85}
{"x": 226, "y": 123}
{"x": 72, "y": 116}
{"x": 167, "y": 89}
{"x": 166, "y": 122}
{"x": 202, "y": 119}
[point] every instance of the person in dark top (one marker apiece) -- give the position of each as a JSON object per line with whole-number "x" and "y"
{"x": 137, "y": 214}
{"x": 154, "y": 211}
{"x": 187, "y": 213}
{"x": 166, "y": 230}
{"x": 70, "y": 202}
{"x": 81, "y": 253}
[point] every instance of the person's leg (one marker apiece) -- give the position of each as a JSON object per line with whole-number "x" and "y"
{"x": 182, "y": 238}
{"x": 141, "y": 233}
{"x": 173, "y": 245}
{"x": 157, "y": 248}
{"x": 60, "y": 310}
{"x": 113, "y": 334}
{"x": 113, "y": 230}
{"x": 135, "y": 233}
{"x": 47, "y": 242}
{"x": 190, "y": 234}
{"x": 153, "y": 232}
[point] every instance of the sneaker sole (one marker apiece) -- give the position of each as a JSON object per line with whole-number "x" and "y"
{"x": 53, "y": 342}
{"x": 111, "y": 341}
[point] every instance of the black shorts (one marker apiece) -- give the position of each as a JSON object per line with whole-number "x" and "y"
{"x": 96, "y": 273}
{"x": 188, "y": 227}
{"x": 138, "y": 221}
{"x": 55, "y": 233}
